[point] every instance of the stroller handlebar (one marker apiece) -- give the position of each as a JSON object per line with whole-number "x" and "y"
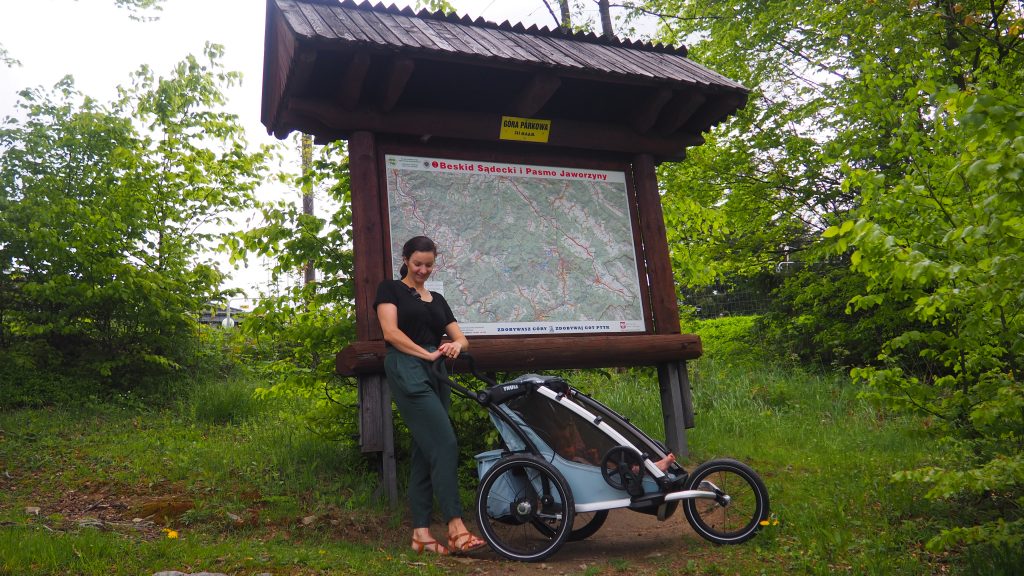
{"x": 483, "y": 397}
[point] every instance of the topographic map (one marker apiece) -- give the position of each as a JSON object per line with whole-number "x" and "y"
{"x": 523, "y": 249}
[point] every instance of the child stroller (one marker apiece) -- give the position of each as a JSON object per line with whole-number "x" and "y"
{"x": 567, "y": 459}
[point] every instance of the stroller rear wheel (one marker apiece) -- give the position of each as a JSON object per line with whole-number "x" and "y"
{"x": 587, "y": 524}
{"x": 734, "y": 515}
{"x": 524, "y": 508}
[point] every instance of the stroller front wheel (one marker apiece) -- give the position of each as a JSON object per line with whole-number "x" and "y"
{"x": 740, "y": 503}
{"x": 524, "y": 508}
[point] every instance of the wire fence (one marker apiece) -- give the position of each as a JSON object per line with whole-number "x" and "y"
{"x": 734, "y": 307}
{"x": 716, "y": 303}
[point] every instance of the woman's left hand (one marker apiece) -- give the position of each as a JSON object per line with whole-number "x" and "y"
{"x": 450, "y": 349}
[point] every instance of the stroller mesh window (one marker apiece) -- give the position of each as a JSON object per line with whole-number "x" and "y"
{"x": 569, "y": 435}
{"x": 638, "y": 438}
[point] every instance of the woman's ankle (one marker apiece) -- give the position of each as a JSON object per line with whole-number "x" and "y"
{"x": 456, "y": 526}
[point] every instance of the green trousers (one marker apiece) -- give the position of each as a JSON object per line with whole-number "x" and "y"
{"x": 423, "y": 402}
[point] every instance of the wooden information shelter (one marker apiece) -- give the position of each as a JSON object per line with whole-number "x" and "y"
{"x": 393, "y": 81}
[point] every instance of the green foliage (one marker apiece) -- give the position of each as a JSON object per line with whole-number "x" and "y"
{"x": 752, "y": 199}
{"x": 142, "y": 10}
{"x": 435, "y": 6}
{"x": 304, "y": 326}
{"x": 104, "y": 212}
{"x": 894, "y": 129}
{"x": 958, "y": 272}
{"x": 6, "y": 59}
{"x": 23, "y": 384}
{"x": 224, "y": 401}
{"x": 758, "y": 189}
{"x": 942, "y": 236}
{"x": 731, "y": 340}
{"x": 808, "y": 320}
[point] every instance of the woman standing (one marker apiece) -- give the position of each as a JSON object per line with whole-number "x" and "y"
{"x": 413, "y": 320}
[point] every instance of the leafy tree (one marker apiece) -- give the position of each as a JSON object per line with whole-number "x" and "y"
{"x": 946, "y": 238}
{"x": 895, "y": 127}
{"x": 140, "y": 9}
{"x": 758, "y": 189}
{"x": 436, "y": 6}
{"x": 307, "y": 323}
{"x": 104, "y": 215}
{"x": 6, "y": 59}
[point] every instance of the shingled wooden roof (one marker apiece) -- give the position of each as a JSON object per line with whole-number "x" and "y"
{"x": 333, "y": 67}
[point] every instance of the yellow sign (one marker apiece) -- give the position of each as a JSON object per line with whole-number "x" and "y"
{"x": 525, "y": 129}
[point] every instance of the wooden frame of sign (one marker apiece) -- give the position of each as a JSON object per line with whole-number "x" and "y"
{"x": 661, "y": 344}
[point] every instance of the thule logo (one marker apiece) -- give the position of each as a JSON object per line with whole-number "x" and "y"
{"x": 510, "y": 388}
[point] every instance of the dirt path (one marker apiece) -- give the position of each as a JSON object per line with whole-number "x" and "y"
{"x": 636, "y": 542}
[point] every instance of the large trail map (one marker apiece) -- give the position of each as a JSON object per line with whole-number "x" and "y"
{"x": 524, "y": 249}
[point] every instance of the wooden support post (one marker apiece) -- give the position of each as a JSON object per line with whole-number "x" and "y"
{"x": 377, "y": 430}
{"x": 664, "y": 306}
{"x": 687, "y": 393}
{"x": 389, "y": 463}
{"x": 670, "y": 383}
{"x": 372, "y": 392}
{"x": 368, "y": 236}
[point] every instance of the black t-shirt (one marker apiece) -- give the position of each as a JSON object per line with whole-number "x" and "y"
{"x": 423, "y": 322}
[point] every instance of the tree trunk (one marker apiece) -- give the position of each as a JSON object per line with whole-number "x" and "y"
{"x": 606, "y": 19}
{"x": 309, "y": 273}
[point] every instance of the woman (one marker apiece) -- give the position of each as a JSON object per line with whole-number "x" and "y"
{"x": 413, "y": 320}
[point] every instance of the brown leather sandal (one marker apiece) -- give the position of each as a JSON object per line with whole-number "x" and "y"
{"x": 420, "y": 545}
{"x": 464, "y": 543}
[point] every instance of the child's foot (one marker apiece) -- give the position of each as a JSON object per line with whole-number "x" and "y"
{"x": 665, "y": 462}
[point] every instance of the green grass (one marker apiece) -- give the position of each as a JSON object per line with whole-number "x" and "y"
{"x": 248, "y": 471}
{"x": 265, "y": 494}
{"x": 31, "y": 550}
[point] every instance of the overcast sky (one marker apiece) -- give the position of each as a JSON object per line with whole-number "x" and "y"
{"x": 99, "y": 45}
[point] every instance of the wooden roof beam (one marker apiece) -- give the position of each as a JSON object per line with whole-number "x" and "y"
{"x": 281, "y": 46}
{"x": 647, "y": 112}
{"x": 679, "y": 111}
{"x": 715, "y": 109}
{"x": 478, "y": 126}
{"x": 543, "y": 353}
{"x": 353, "y": 81}
{"x": 536, "y": 94}
{"x": 302, "y": 68}
{"x": 395, "y": 81}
